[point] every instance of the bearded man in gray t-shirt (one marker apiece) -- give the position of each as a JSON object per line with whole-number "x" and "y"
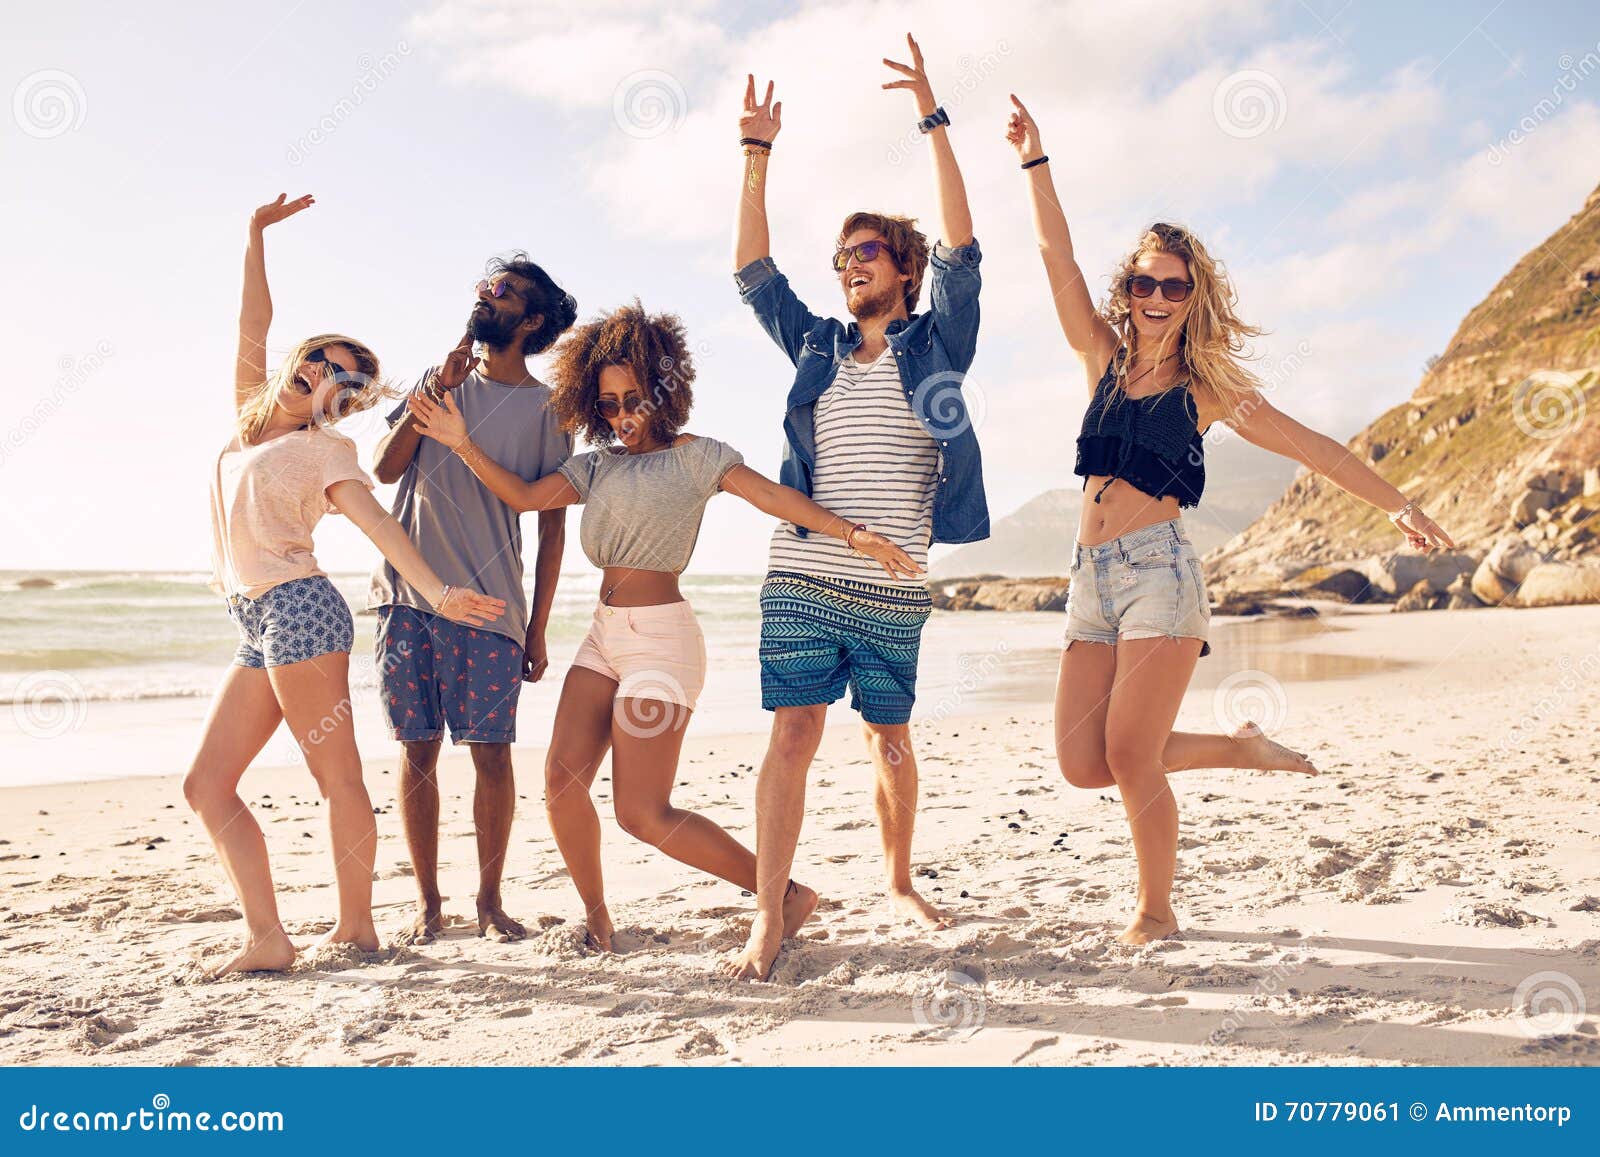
{"x": 437, "y": 675}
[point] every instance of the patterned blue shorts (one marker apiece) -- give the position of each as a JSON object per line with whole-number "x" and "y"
{"x": 294, "y": 621}
{"x": 436, "y": 674}
{"x": 819, "y": 635}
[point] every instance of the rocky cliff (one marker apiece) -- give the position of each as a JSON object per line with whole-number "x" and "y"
{"x": 1500, "y": 443}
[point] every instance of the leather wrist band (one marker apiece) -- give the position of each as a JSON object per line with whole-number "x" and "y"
{"x": 1035, "y": 161}
{"x": 757, "y": 141}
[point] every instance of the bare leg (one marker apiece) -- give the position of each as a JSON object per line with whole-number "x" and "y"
{"x": 315, "y": 697}
{"x": 780, "y": 813}
{"x": 578, "y": 744}
{"x": 419, "y": 813}
{"x": 1151, "y": 677}
{"x": 243, "y": 717}
{"x": 895, "y": 797}
{"x": 644, "y": 767}
{"x": 1083, "y": 690}
{"x": 494, "y": 806}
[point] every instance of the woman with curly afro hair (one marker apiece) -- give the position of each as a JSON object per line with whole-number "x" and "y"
{"x": 1163, "y": 360}
{"x": 624, "y": 381}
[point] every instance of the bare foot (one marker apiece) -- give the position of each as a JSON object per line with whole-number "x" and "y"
{"x": 911, "y": 906}
{"x": 1145, "y": 929}
{"x": 798, "y": 904}
{"x": 426, "y": 928}
{"x": 273, "y": 952}
{"x": 364, "y": 937}
{"x": 599, "y": 929}
{"x": 760, "y": 952}
{"x": 1263, "y": 754}
{"x": 492, "y": 918}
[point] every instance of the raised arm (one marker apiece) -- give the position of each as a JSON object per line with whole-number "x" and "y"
{"x": 399, "y": 446}
{"x": 760, "y": 122}
{"x": 1259, "y": 422}
{"x": 255, "y": 306}
{"x": 1087, "y": 332}
{"x": 457, "y": 604}
{"x": 792, "y": 506}
{"x": 955, "y": 218}
{"x": 442, "y": 422}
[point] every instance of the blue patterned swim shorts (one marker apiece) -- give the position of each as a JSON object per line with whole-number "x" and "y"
{"x": 819, "y": 635}
{"x": 294, "y": 621}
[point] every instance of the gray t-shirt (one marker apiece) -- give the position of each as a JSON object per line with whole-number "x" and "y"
{"x": 643, "y": 510}
{"x": 467, "y": 535}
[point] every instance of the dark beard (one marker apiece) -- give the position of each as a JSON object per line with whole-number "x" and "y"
{"x": 492, "y": 329}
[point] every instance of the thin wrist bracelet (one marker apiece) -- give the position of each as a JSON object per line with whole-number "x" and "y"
{"x": 1035, "y": 161}
{"x": 444, "y": 596}
{"x": 1409, "y": 508}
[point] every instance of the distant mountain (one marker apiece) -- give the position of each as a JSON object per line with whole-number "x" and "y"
{"x": 1501, "y": 437}
{"x": 1036, "y": 539}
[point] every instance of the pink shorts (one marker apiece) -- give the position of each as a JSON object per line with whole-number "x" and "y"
{"x": 654, "y": 652}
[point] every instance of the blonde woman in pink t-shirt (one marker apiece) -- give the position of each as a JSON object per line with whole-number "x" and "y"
{"x": 281, "y": 471}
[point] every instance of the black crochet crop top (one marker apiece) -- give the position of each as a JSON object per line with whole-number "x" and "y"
{"x": 1152, "y": 443}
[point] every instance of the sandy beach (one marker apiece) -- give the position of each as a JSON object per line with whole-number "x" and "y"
{"x": 1430, "y": 898}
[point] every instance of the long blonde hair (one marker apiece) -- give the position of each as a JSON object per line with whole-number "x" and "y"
{"x": 1214, "y": 343}
{"x": 358, "y": 391}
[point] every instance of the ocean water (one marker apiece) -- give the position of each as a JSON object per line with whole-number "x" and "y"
{"x": 108, "y": 674}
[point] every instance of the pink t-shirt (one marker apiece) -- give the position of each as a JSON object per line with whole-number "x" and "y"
{"x": 265, "y": 501}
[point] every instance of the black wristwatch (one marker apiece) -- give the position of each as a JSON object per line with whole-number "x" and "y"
{"x": 933, "y": 120}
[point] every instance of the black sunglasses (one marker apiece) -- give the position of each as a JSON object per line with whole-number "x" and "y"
{"x": 866, "y": 251}
{"x": 321, "y": 357}
{"x": 1172, "y": 288}
{"x": 610, "y": 407}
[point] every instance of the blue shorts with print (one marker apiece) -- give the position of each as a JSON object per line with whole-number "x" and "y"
{"x": 819, "y": 635}
{"x": 435, "y": 674}
{"x": 294, "y": 621}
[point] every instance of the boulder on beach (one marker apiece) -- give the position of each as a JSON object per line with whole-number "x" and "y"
{"x": 990, "y": 593}
{"x": 1421, "y": 597}
{"x": 1399, "y": 572}
{"x": 1556, "y": 584}
{"x": 1502, "y": 570}
{"x": 36, "y": 584}
{"x": 1334, "y": 582}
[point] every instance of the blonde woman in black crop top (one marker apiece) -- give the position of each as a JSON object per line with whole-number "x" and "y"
{"x": 1163, "y": 359}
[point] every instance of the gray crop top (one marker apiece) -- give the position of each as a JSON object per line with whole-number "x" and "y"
{"x": 643, "y": 510}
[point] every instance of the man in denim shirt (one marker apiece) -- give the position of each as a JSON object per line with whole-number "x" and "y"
{"x": 876, "y": 429}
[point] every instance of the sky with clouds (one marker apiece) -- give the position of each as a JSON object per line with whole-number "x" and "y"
{"x": 1366, "y": 170}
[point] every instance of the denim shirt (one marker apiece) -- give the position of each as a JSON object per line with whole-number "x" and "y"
{"x": 933, "y": 351}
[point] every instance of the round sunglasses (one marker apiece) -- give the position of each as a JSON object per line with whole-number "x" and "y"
{"x": 1172, "y": 288}
{"x": 497, "y": 289}
{"x": 866, "y": 251}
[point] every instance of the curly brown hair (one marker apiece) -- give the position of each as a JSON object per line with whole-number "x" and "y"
{"x": 907, "y": 245}
{"x": 652, "y": 346}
